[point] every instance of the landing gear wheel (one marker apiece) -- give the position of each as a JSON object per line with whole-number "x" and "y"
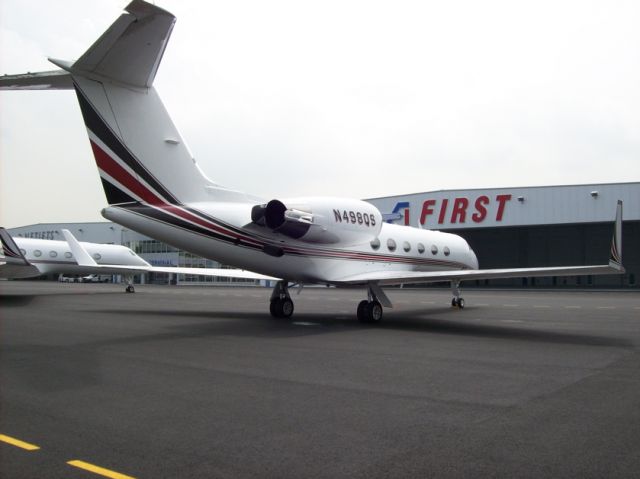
{"x": 130, "y": 289}
{"x": 374, "y": 312}
{"x": 362, "y": 311}
{"x": 281, "y": 308}
{"x": 457, "y": 303}
{"x": 286, "y": 308}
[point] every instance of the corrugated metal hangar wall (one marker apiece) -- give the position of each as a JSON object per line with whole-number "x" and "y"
{"x": 533, "y": 226}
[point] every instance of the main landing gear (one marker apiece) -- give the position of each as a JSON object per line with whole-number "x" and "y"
{"x": 370, "y": 309}
{"x": 281, "y": 305}
{"x": 457, "y": 301}
{"x": 129, "y": 288}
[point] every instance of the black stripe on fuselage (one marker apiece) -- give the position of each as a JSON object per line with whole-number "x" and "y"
{"x": 114, "y": 194}
{"x": 166, "y": 218}
{"x": 99, "y": 127}
{"x": 161, "y": 216}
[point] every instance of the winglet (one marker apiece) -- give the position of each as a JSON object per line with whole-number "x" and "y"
{"x": 10, "y": 249}
{"x": 615, "y": 260}
{"x": 80, "y": 254}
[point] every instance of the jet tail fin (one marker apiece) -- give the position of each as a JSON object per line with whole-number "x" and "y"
{"x": 12, "y": 253}
{"x": 83, "y": 258}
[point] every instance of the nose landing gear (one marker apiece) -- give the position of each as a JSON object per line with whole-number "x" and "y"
{"x": 457, "y": 301}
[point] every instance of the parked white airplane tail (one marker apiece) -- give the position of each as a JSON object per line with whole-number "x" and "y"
{"x": 140, "y": 154}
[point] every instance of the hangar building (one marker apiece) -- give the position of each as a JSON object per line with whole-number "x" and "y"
{"x": 532, "y": 226}
{"x": 506, "y": 227}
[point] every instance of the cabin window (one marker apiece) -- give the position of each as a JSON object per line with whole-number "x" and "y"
{"x": 53, "y": 254}
{"x": 446, "y": 251}
{"x": 420, "y": 248}
{"x": 68, "y": 255}
{"x": 434, "y": 249}
{"x": 375, "y": 244}
{"x": 391, "y": 245}
{"x": 406, "y": 246}
{"x": 37, "y": 253}
{"x": 97, "y": 256}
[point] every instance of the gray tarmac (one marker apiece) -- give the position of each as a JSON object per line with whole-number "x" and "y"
{"x": 189, "y": 382}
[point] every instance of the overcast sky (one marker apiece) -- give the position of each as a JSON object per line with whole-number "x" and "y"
{"x": 346, "y": 98}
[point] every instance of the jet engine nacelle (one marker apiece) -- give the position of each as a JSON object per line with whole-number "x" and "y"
{"x": 321, "y": 220}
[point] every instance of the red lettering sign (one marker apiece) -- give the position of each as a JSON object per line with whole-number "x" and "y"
{"x": 502, "y": 200}
{"x": 479, "y": 211}
{"x": 459, "y": 213}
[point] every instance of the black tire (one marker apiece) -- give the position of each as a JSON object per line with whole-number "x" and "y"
{"x": 460, "y": 303}
{"x": 286, "y": 308}
{"x": 374, "y": 312}
{"x": 362, "y": 311}
{"x": 454, "y": 303}
{"x": 273, "y": 308}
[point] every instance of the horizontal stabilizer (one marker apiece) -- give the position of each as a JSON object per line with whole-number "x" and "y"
{"x": 51, "y": 80}
{"x": 130, "y": 50}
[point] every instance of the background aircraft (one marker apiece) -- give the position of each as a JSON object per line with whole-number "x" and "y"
{"x": 31, "y": 257}
{"x": 154, "y": 186}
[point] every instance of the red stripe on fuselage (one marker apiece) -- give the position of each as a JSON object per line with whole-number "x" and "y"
{"x": 107, "y": 164}
{"x": 117, "y": 172}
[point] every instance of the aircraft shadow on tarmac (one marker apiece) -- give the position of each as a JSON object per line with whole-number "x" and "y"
{"x": 252, "y": 324}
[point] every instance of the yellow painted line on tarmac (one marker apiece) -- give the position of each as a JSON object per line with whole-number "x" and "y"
{"x": 18, "y": 443}
{"x": 573, "y": 307}
{"x": 98, "y": 470}
{"x": 606, "y": 307}
{"x": 539, "y": 306}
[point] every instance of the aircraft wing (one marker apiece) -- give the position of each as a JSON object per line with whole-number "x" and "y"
{"x": 85, "y": 260}
{"x": 388, "y": 278}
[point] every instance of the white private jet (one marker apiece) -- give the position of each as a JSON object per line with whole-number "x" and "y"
{"x": 154, "y": 186}
{"x": 32, "y": 257}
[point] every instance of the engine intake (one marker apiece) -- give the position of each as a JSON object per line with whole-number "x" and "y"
{"x": 320, "y": 220}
